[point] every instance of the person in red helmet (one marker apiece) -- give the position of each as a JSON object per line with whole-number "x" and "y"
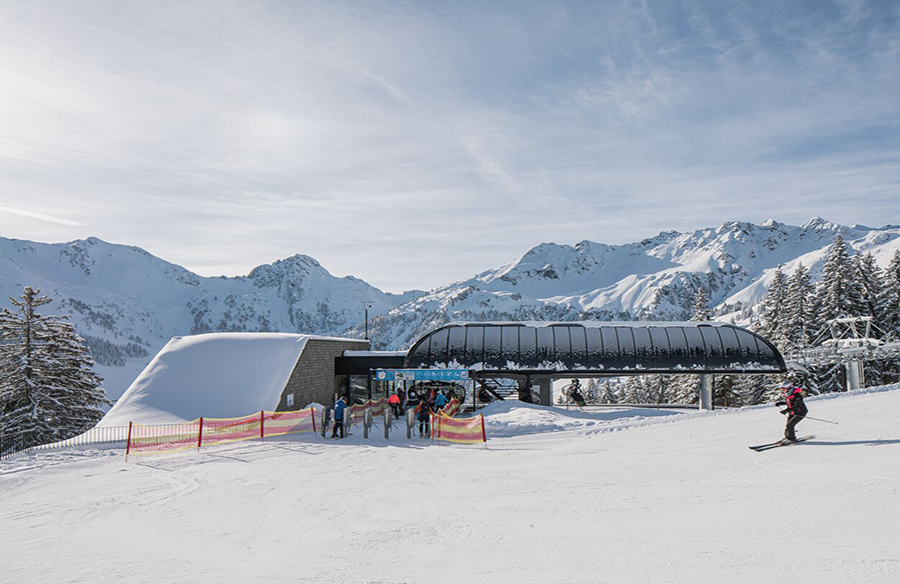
{"x": 795, "y": 409}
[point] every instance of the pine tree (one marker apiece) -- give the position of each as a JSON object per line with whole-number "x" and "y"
{"x": 871, "y": 285}
{"x": 701, "y": 306}
{"x": 635, "y": 390}
{"x": 891, "y": 296}
{"x": 49, "y": 391}
{"x": 774, "y": 311}
{"x": 838, "y": 294}
{"x": 891, "y": 303}
{"x": 684, "y": 389}
{"x": 726, "y": 391}
{"x": 608, "y": 394}
{"x": 798, "y": 308}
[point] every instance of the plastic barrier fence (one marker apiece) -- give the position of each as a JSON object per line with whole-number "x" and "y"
{"x": 210, "y": 431}
{"x": 458, "y": 430}
{"x": 452, "y": 408}
{"x": 358, "y": 411}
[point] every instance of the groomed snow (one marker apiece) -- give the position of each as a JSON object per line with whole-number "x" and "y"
{"x": 608, "y": 495}
{"x": 216, "y": 375}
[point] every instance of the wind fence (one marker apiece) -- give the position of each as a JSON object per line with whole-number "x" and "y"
{"x": 211, "y": 431}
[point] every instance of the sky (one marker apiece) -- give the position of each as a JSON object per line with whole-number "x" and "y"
{"x": 413, "y": 144}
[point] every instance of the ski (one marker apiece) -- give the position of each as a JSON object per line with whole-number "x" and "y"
{"x": 761, "y": 447}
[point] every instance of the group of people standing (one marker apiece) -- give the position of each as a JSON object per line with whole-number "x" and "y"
{"x": 432, "y": 401}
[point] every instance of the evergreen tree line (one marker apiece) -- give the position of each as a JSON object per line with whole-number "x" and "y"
{"x": 48, "y": 389}
{"x": 794, "y": 316}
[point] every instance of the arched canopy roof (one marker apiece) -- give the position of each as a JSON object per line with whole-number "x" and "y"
{"x": 605, "y": 348}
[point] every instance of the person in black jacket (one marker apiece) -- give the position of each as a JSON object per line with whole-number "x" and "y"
{"x": 794, "y": 408}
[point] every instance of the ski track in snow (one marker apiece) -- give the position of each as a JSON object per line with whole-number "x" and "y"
{"x": 606, "y": 496}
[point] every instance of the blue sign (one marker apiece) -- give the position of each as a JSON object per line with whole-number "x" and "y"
{"x": 420, "y": 374}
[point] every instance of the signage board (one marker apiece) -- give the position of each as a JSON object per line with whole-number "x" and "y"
{"x": 420, "y": 374}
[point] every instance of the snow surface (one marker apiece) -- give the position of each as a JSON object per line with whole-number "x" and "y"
{"x": 612, "y": 496}
{"x": 216, "y": 375}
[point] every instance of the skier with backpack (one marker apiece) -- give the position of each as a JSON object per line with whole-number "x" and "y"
{"x": 339, "y": 407}
{"x": 795, "y": 409}
{"x": 423, "y": 416}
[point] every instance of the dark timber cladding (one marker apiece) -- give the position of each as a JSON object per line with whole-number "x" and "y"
{"x": 603, "y": 348}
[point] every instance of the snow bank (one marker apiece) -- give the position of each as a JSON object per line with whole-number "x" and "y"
{"x": 513, "y": 418}
{"x": 217, "y": 375}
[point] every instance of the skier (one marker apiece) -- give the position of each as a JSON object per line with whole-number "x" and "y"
{"x": 574, "y": 394}
{"x": 396, "y": 406}
{"x": 423, "y": 415}
{"x": 339, "y": 407}
{"x": 795, "y": 409}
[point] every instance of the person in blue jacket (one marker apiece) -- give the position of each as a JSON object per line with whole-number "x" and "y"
{"x": 339, "y": 406}
{"x": 440, "y": 400}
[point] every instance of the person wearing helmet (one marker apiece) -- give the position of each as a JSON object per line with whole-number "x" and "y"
{"x": 795, "y": 409}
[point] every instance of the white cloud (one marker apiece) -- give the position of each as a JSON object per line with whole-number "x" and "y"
{"x": 415, "y": 144}
{"x": 40, "y": 216}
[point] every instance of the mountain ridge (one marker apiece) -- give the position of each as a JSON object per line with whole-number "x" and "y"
{"x": 128, "y": 303}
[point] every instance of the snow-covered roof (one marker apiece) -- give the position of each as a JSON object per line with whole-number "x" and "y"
{"x": 216, "y": 375}
{"x": 594, "y": 346}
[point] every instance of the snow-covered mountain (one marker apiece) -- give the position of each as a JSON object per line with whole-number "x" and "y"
{"x": 128, "y": 303}
{"x": 652, "y": 279}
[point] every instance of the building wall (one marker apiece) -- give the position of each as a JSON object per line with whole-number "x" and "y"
{"x": 313, "y": 379}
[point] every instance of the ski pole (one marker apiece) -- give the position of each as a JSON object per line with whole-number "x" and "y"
{"x": 819, "y": 420}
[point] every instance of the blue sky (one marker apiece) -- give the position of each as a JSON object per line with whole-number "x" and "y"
{"x": 412, "y": 144}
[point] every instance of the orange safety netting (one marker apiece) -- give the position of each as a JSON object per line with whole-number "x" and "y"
{"x": 358, "y": 411}
{"x": 210, "y": 431}
{"x": 459, "y": 430}
{"x": 452, "y": 408}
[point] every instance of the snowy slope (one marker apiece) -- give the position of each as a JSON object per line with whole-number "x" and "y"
{"x": 615, "y": 496}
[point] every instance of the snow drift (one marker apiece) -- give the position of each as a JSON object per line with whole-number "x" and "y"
{"x": 217, "y": 375}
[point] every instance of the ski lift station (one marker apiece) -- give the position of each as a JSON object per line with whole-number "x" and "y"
{"x": 233, "y": 374}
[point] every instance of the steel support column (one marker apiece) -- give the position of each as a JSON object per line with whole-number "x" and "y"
{"x": 545, "y": 388}
{"x": 855, "y": 371}
{"x": 706, "y": 394}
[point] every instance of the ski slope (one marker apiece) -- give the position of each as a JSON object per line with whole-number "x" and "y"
{"x": 610, "y": 495}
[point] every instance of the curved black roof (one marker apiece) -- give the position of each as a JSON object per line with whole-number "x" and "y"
{"x": 610, "y": 348}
